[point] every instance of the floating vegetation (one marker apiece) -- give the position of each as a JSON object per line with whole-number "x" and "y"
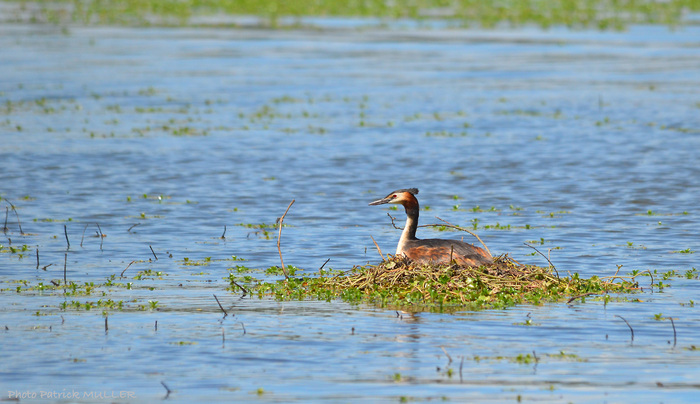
{"x": 528, "y": 358}
{"x": 151, "y": 274}
{"x": 575, "y": 13}
{"x": 445, "y": 133}
{"x": 686, "y": 251}
{"x": 398, "y": 283}
{"x": 262, "y": 230}
{"x": 88, "y": 305}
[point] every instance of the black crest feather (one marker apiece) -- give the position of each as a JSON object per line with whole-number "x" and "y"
{"x": 412, "y": 191}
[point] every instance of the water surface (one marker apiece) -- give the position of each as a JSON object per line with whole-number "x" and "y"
{"x": 584, "y": 143}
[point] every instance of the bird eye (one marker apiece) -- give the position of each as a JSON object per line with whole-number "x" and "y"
{"x": 393, "y": 196}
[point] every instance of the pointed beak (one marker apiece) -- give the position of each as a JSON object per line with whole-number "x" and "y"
{"x": 380, "y": 201}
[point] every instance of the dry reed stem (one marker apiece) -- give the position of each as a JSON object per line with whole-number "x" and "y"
{"x": 545, "y": 257}
{"x": 220, "y": 306}
{"x": 279, "y": 238}
{"x": 127, "y": 267}
{"x": 632, "y": 278}
{"x": 65, "y": 232}
{"x": 101, "y": 235}
{"x": 378, "y": 249}
{"x": 19, "y": 224}
{"x": 83, "y": 236}
{"x": 324, "y": 264}
{"x": 674, "y": 332}
{"x": 628, "y": 325}
{"x": 468, "y": 231}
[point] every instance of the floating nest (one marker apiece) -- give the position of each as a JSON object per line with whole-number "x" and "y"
{"x": 400, "y": 283}
{"x": 402, "y": 273}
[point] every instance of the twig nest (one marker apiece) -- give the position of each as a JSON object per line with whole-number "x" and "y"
{"x": 401, "y": 282}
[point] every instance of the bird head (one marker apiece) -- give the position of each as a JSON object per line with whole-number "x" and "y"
{"x": 400, "y": 196}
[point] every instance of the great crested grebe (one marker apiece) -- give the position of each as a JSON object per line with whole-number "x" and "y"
{"x": 436, "y": 251}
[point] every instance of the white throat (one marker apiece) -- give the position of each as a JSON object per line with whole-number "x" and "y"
{"x": 406, "y": 235}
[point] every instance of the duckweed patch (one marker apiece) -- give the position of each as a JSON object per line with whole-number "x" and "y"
{"x": 398, "y": 283}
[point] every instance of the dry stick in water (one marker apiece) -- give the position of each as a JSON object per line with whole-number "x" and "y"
{"x": 154, "y": 253}
{"x": 83, "y": 237}
{"x": 324, "y": 264}
{"x": 37, "y": 257}
{"x": 545, "y": 257}
{"x": 578, "y": 296}
{"x": 674, "y": 331}
{"x": 101, "y": 235}
{"x": 245, "y": 292}
{"x": 106, "y": 325}
{"x": 65, "y": 231}
{"x": 17, "y": 215}
{"x": 448, "y": 355}
{"x": 127, "y": 267}
{"x": 129, "y": 229}
{"x": 166, "y": 389}
{"x": 378, "y": 249}
{"x": 628, "y": 325}
{"x": 646, "y": 271}
{"x": 65, "y": 263}
{"x": 4, "y": 228}
{"x": 223, "y": 236}
{"x": 220, "y": 306}
{"x": 279, "y": 238}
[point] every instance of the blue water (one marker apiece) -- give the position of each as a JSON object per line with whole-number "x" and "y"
{"x": 584, "y": 143}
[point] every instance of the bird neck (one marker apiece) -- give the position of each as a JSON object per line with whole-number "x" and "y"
{"x": 409, "y": 230}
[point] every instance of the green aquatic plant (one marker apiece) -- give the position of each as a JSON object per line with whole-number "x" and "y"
{"x": 151, "y": 274}
{"x": 686, "y": 251}
{"x": 497, "y": 226}
{"x": 206, "y": 261}
{"x": 262, "y": 230}
{"x": 88, "y": 305}
{"x": 445, "y": 133}
{"x": 532, "y": 358}
{"x": 600, "y": 14}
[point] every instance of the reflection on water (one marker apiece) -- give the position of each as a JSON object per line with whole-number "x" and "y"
{"x": 582, "y": 142}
